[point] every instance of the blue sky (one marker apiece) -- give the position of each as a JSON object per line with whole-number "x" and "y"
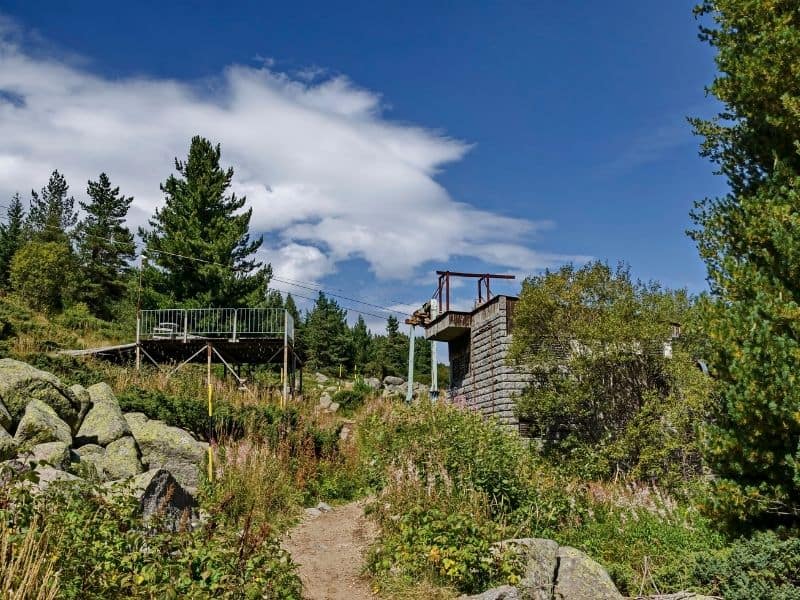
{"x": 380, "y": 141}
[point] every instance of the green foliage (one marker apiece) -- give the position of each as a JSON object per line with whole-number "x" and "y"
{"x": 763, "y": 567}
{"x": 105, "y": 246}
{"x": 52, "y": 214}
{"x": 326, "y": 337}
{"x": 604, "y": 395}
{"x": 474, "y": 454}
{"x": 11, "y": 238}
{"x": 43, "y": 274}
{"x": 449, "y": 548}
{"x": 201, "y": 220}
{"x": 749, "y": 242}
{"x": 349, "y": 400}
{"x": 103, "y": 551}
{"x": 453, "y": 481}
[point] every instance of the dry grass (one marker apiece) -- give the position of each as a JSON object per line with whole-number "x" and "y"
{"x": 26, "y": 570}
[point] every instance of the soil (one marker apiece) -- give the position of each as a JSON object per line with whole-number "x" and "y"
{"x": 330, "y": 550}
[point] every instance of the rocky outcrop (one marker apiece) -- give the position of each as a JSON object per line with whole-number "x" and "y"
{"x": 40, "y": 424}
{"x": 166, "y": 447}
{"x": 120, "y": 459}
{"x": 553, "y": 572}
{"x": 161, "y": 496}
{"x": 391, "y": 380}
{"x": 8, "y": 447}
{"x": 20, "y": 383}
{"x": 54, "y": 454}
{"x": 104, "y": 422}
{"x": 43, "y": 416}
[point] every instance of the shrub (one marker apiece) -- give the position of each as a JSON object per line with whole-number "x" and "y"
{"x": 41, "y": 274}
{"x": 475, "y": 454}
{"x": 763, "y": 567}
{"x": 449, "y": 548}
{"x": 101, "y": 549}
{"x": 349, "y": 400}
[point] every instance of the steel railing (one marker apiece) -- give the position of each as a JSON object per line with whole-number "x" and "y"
{"x": 229, "y": 323}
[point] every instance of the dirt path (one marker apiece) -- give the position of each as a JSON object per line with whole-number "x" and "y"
{"x": 329, "y": 550}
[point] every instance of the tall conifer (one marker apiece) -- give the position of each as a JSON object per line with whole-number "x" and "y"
{"x": 52, "y": 213}
{"x": 11, "y": 237}
{"x": 105, "y": 246}
{"x": 199, "y": 240}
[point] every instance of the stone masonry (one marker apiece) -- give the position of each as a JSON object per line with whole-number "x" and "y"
{"x": 481, "y": 378}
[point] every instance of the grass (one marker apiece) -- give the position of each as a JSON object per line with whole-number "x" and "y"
{"x": 27, "y": 569}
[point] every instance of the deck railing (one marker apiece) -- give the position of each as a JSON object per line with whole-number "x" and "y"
{"x": 219, "y": 323}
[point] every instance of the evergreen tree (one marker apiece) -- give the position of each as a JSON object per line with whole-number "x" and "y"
{"x": 326, "y": 336}
{"x": 750, "y": 242}
{"x": 362, "y": 344}
{"x": 11, "y": 237}
{"x": 52, "y": 212}
{"x": 105, "y": 246}
{"x": 202, "y": 221}
{"x": 392, "y": 351}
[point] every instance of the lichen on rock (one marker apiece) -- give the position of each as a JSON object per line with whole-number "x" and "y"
{"x": 104, "y": 423}
{"x": 20, "y": 383}
{"x": 40, "y": 424}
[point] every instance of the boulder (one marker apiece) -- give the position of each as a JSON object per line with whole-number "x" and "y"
{"x": 171, "y": 448}
{"x": 160, "y": 495}
{"x": 104, "y": 422}
{"x": 390, "y": 380}
{"x": 49, "y": 475}
{"x": 121, "y": 459}
{"x": 92, "y": 454}
{"x": 81, "y": 393}
{"x": 505, "y": 592}
{"x": 320, "y": 378}
{"x": 373, "y": 382}
{"x": 554, "y": 572}
{"x": 8, "y": 447}
{"x": 55, "y": 454}
{"x": 41, "y": 424}
{"x": 5, "y": 417}
{"x": 581, "y": 578}
{"x": 540, "y": 557}
{"x": 20, "y": 383}
{"x": 325, "y": 400}
{"x": 334, "y": 406}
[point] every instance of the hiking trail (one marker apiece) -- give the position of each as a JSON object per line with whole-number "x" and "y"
{"x": 330, "y": 549}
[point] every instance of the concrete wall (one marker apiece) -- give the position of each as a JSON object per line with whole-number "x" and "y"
{"x": 485, "y": 382}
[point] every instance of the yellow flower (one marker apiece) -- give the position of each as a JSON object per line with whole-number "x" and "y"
{"x": 435, "y": 555}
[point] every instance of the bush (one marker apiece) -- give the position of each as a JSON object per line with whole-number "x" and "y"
{"x": 41, "y": 273}
{"x": 447, "y": 547}
{"x": 101, "y": 550}
{"x": 763, "y": 567}
{"x": 349, "y": 400}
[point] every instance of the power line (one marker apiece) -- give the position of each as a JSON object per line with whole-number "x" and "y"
{"x": 292, "y": 282}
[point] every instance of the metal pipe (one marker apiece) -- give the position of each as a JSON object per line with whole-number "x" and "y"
{"x": 410, "y": 388}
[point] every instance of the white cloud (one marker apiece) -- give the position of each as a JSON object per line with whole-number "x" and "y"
{"x": 329, "y": 177}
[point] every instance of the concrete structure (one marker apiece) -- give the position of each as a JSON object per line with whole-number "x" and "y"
{"x": 480, "y": 377}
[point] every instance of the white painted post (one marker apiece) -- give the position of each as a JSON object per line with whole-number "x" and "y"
{"x": 138, "y": 340}
{"x": 434, "y": 391}
{"x": 410, "y": 389}
{"x": 285, "y": 357}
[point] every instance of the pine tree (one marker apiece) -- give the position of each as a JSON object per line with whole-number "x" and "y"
{"x": 52, "y": 212}
{"x": 362, "y": 343}
{"x": 202, "y": 221}
{"x": 11, "y": 237}
{"x": 105, "y": 246}
{"x": 391, "y": 355}
{"x": 327, "y": 336}
{"x": 749, "y": 240}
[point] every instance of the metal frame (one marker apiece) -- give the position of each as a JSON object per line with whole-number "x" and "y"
{"x": 225, "y": 325}
{"x": 484, "y": 280}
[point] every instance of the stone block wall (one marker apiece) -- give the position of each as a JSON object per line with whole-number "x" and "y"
{"x": 482, "y": 379}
